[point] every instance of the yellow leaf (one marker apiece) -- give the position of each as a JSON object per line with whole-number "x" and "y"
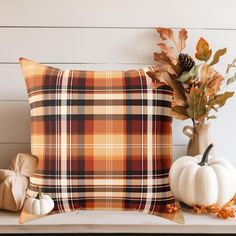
{"x": 179, "y": 112}
{"x": 217, "y": 56}
{"x": 220, "y": 100}
{"x": 197, "y": 102}
{"x": 203, "y": 52}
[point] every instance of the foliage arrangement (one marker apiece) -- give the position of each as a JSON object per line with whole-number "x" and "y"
{"x": 198, "y": 88}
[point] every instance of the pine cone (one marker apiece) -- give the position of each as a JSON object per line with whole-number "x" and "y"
{"x": 186, "y": 62}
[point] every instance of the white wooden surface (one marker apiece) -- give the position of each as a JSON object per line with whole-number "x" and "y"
{"x": 114, "y": 222}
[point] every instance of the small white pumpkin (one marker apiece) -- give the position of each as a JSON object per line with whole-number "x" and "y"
{"x": 40, "y": 205}
{"x": 202, "y": 182}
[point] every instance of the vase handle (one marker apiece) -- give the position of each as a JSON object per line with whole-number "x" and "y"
{"x": 188, "y": 131}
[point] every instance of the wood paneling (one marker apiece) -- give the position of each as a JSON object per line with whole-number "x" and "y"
{"x": 119, "y": 13}
{"x": 14, "y": 122}
{"x": 92, "y": 45}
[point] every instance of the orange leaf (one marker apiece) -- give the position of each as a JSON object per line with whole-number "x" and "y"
{"x": 213, "y": 84}
{"x": 203, "y": 52}
{"x": 206, "y": 72}
{"x": 165, "y": 33}
{"x": 164, "y": 62}
{"x": 164, "y": 77}
{"x": 156, "y": 83}
{"x": 195, "y": 90}
{"x": 162, "y": 58}
{"x": 183, "y": 35}
{"x": 170, "y": 52}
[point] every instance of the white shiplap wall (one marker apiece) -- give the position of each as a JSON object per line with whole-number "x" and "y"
{"x": 103, "y": 35}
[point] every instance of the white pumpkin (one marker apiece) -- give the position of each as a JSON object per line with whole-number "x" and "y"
{"x": 202, "y": 182}
{"x": 40, "y": 205}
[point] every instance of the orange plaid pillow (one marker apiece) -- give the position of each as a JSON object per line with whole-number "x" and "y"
{"x": 103, "y": 139}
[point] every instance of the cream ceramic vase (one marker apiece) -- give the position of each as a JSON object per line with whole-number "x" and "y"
{"x": 199, "y": 138}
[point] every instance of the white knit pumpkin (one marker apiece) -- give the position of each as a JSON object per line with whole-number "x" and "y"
{"x": 197, "y": 181}
{"x": 40, "y": 205}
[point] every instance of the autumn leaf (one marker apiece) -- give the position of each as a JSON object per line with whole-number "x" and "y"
{"x": 162, "y": 58}
{"x": 185, "y": 77}
{"x": 182, "y": 39}
{"x": 203, "y": 52}
{"x": 220, "y": 100}
{"x": 170, "y": 52}
{"x": 231, "y": 65}
{"x": 180, "y": 112}
{"x": 196, "y": 90}
{"x": 217, "y": 56}
{"x": 179, "y": 93}
{"x": 211, "y": 117}
{"x": 213, "y": 84}
{"x": 169, "y": 69}
{"x": 165, "y": 33}
{"x": 206, "y": 72}
{"x": 164, "y": 62}
{"x": 197, "y": 102}
{"x": 211, "y": 79}
{"x": 231, "y": 79}
{"x": 164, "y": 77}
{"x": 192, "y": 74}
{"x": 156, "y": 83}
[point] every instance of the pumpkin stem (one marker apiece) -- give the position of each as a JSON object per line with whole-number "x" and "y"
{"x": 204, "y": 161}
{"x": 39, "y": 195}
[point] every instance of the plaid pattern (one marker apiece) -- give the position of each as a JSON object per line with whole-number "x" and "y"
{"x": 103, "y": 139}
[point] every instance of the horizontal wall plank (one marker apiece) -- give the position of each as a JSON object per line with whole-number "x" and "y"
{"x": 12, "y": 83}
{"x": 14, "y": 122}
{"x": 77, "y": 45}
{"x": 112, "y": 13}
{"x": 82, "y": 45}
{"x": 9, "y": 151}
